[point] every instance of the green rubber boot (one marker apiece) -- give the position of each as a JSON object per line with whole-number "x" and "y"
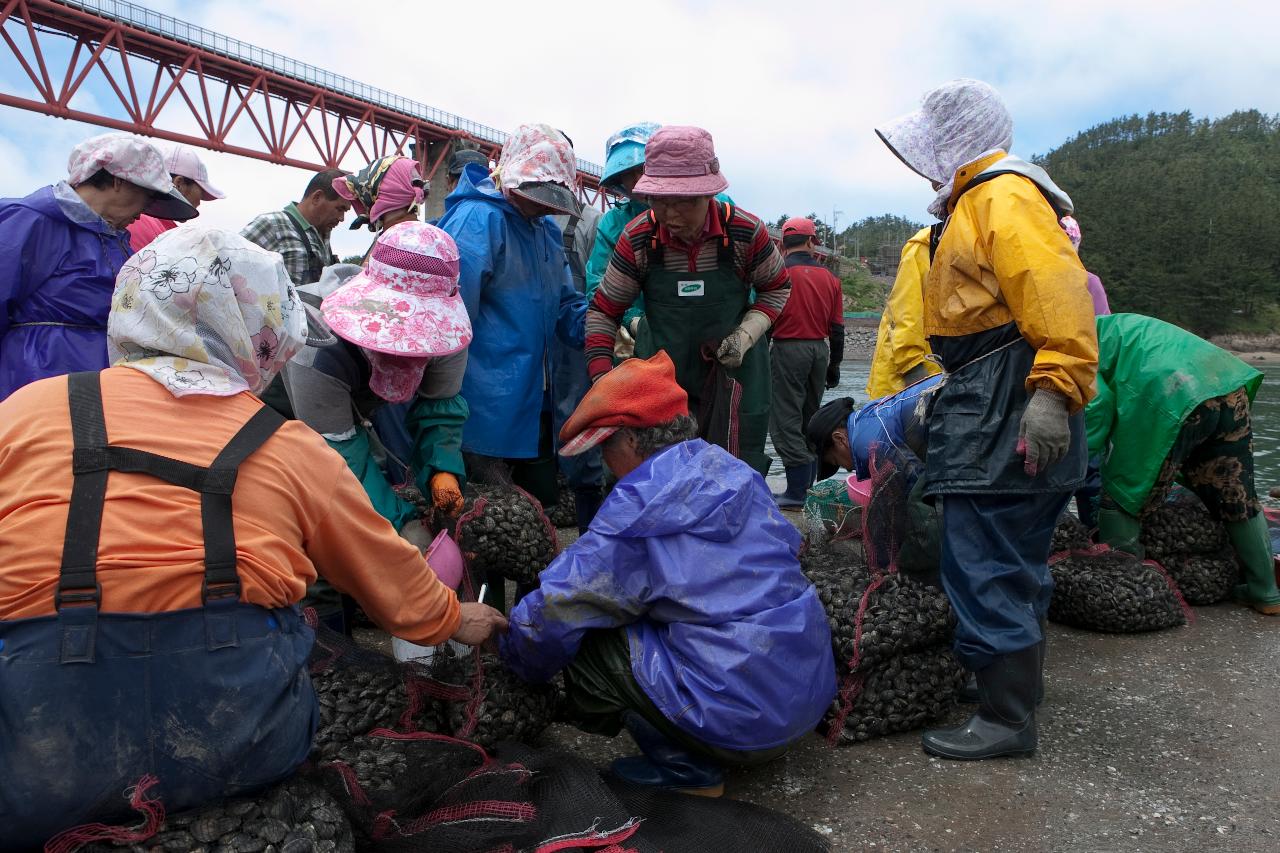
{"x": 1252, "y": 544}
{"x": 1120, "y": 530}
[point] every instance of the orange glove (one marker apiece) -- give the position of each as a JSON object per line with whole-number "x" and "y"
{"x": 446, "y": 494}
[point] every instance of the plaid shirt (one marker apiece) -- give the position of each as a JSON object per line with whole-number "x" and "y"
{"x": 305, "y": 252}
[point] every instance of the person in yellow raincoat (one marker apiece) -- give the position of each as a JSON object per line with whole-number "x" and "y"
{"x": 1007, "y": 311}
{"x": 901, "y": 348}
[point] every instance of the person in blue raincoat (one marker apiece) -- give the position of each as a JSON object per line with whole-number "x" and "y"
{"x": 520, "y": 296}
{"x": 61, "y": 248}
{"x": 682, "y": 613}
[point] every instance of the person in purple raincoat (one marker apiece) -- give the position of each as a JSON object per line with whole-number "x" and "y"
{"x": 682, "y": 612}
{"x": 61, "y": 248}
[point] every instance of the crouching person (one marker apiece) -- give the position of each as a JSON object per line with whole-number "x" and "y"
{"x": 682, "y": 613}
{"x": 158, "y": 526}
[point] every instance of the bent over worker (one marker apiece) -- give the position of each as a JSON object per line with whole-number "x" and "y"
{"x": 682, "y": 613}
{"x": 696, "y": 261}
{"x": 159, "y": 525}
{"x": 1171, "y": 404}
{"x": 1007, "y": 311}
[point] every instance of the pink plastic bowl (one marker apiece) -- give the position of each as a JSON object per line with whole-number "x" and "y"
{"x": 859, "y": 491}
{"x": 445, "y": 559}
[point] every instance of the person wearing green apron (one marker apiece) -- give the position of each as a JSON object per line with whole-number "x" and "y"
{"x": 713, "y": 283}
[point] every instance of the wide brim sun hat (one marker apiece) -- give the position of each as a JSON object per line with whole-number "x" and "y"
{"x": 681, "y": 161}
{"x": 406, "y": 301}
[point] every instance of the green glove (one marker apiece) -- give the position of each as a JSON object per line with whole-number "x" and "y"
{"x": 1045, "y": 432}
{"x": 1120, "y": 530}
{"x": 1252, "y": 544}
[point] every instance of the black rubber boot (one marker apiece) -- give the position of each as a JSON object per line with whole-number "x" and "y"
{"x": 798, "y": 482}
{"x": 968, "y": 694}
{"x": 665, "y": 764}
{"x": 1005, "y": 722}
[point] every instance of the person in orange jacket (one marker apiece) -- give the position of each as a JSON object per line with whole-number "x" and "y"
{"x": 1008, "y": 313}
{"x": 159, "y": 527}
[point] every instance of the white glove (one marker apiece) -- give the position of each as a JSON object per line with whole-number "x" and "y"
{"x": 735, "y": 345}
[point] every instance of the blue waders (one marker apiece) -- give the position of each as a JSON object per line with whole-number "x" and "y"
{"x": 213, "y": 701}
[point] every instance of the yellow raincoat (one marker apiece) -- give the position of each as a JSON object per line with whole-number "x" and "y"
{"x": 900, "y": 342}
{"x": 1004, "y": 259}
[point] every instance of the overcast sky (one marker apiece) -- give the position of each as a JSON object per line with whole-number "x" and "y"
{"x": 790, "y": 91}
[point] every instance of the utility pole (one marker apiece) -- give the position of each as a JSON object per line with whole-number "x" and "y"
{"x": 835, "y": 217}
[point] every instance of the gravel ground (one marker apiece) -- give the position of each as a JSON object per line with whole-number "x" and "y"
{"x": 1161, "y": 741}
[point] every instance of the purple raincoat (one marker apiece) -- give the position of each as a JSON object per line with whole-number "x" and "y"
{"x": 57, "y": 274}
{"x": 727, "y": 636}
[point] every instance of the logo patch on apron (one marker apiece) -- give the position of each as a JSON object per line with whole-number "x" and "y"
{"x": 691, "y": 288}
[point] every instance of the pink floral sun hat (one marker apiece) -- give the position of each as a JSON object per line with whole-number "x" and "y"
{"x": 404, "y": 307}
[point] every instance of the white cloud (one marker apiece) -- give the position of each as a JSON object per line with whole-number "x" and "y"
{"x": 791, "y": 93}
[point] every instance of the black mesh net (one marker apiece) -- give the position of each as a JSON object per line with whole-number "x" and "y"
{"x": 1193, "y": 547}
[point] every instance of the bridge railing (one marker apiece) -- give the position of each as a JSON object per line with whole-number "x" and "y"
{"x": 197, "y": 36}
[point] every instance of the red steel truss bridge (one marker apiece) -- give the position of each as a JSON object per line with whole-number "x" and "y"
{"x": 125, "y": 67}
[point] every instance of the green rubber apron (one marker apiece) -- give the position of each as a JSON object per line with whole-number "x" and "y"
{"x": 685, "y": 311}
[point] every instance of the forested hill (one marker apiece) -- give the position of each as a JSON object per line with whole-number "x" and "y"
{"x": 1181, "y": 217}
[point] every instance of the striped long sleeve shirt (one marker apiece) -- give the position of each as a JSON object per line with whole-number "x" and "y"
{"x": 756, "y": 261}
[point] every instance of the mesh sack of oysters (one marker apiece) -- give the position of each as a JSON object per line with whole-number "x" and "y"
{"x": 891, "y": 636}
{"x": 1194, "y": 548}
{"x": 503, "y": 529}
{"x": 1105, "y": 590}
{"x": 296, "y": 816}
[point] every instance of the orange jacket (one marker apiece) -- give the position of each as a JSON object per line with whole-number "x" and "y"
{"x": 1003, "y": 258}
{"x": 298, "y": 510}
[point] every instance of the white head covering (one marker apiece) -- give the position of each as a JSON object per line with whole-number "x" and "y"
{"x": 203, "y": 311}
{"x": 957, "y": 123}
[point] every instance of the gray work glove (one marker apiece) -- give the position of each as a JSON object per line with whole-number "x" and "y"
{"x": 1044, "y": 436}
{"x": 735, "y": 345}
{"x": 915, "y": 374}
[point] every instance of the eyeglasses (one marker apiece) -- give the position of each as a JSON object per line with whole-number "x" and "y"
{"x": 683, "y": 204}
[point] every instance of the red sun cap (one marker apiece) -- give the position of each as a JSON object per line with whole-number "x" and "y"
{"x": 799, "y": 225}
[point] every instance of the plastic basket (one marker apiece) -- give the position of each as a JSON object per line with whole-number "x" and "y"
{"x": 830, "y": 513}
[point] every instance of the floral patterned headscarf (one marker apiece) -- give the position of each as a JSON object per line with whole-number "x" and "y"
{"x": 536, "y": 154}
{"x": 204, "y": 311}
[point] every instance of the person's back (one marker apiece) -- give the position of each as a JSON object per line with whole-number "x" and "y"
{"x": 730, "y": 640}
{"x": 901, "y": 352}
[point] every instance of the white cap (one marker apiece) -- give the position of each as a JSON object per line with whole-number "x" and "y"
{"x": 183, "y": 161}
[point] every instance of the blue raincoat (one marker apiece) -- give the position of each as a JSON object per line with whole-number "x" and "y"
{"x": 689, "y": 552}
{"x": 57, "y": 274}
{"x": 887, "y": 422}
{"x": 520, "y": 296}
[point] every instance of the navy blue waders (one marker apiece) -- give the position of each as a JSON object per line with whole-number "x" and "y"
{"x": 213, "y": 701}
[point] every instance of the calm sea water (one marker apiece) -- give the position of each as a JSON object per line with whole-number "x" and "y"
{"x": 1266, "y": 423}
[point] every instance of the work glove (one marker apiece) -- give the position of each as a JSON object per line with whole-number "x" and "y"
{"x": 1045, "y": 432}
{"x": 446, "y": 494}
{"x": 624, "y": 344}
{"x": 915, "y": 374}
{"x": 735, "y": 345}
{"x": 833, "y": 374}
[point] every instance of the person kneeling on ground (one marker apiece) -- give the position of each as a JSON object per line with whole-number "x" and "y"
{"x": 682, "y": 613}
{"x": 1170, "y": 403}
{"x": 188, "y": 519}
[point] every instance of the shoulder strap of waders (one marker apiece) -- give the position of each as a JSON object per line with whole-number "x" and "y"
{"x": 571, "y": 254}
{"x": 92, "y": 462}
{"x": 935, "y": 234}
{"x": 724, "y": 252}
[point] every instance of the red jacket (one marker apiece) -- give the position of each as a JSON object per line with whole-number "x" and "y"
{"x": 816, "y": 306}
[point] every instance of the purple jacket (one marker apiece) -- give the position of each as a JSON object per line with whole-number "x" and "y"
{"x": 1101, "y": 308}
{"x": 689, "y": 552}
{"x": 57, "y": 274}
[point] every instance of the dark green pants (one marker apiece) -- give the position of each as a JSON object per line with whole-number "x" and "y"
{"x": 600, "y": 685}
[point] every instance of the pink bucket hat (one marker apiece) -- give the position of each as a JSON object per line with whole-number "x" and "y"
{"x": 131, "y": 158}
{"x": 680, "y": 161}
{"x": 404, "y": 307}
